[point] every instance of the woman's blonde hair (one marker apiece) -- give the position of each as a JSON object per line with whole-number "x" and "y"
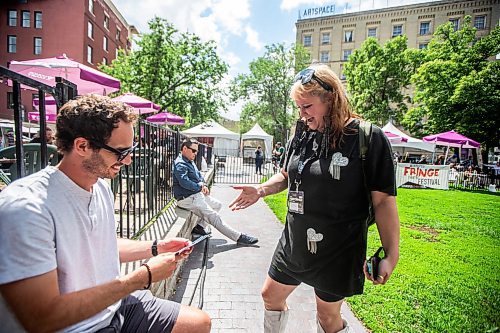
{"x": 339, "y": 109}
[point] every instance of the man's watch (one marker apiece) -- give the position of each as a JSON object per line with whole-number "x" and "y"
{"x": 154, "y": 248}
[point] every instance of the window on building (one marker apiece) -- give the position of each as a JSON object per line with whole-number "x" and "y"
{"x": 422, "y": 46}
{"x": 425, "y": 28}
{"x": 10, "y": 100}
{"x": 397, "y": 30}
{"x": 104, "y": 61}
{"x": 307, "y": 40}
{"x": 324, "y": 56}
{"x": 91, "y": 6}
{"x": 12, "y": 18}
{"x": 106, "y": 22}
{"x": 116, "y": 53}
{"x": 480, "y": 22}
{"x": 455, "y": 22}
{"x": 342, "y": 75}
{"x": 346, "y": 54}
{"x": 90, "y": 52}
{"x": 38, "y": 20}
{"x": 26, "y": 19}
{"x": 372, "y": 32}
{"x": 118, "y": 34}
{"x": 105, "y": 43}
{"x": 325, "y": 38}
{"x": 348, "y": 36}
{"x": 90, "y": 30}
{"x": 11, "y": 44}
{"x": 37, "y": 45}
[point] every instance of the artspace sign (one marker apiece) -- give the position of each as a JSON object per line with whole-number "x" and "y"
{"x": 317, "y": 11}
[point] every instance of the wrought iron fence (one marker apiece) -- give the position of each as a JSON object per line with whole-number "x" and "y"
{"x": 474, "y": 181}
{"x": 144, "y": 188}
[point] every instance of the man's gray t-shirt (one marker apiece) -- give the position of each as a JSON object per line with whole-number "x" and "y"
{"x": 48, "y": 222}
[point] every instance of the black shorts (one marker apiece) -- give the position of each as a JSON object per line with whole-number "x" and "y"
{"x": 279, "y": 276}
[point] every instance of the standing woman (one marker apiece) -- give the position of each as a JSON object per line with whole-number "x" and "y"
{"x": 259, "y": 159}
{"x": 324, "y": 240}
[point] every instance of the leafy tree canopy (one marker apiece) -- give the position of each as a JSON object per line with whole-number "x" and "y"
{"x": 457, "y": 86}
{"x": 175, "y": 70}
{"x": 266, "y": 89}
{"x": 377, "y": 77}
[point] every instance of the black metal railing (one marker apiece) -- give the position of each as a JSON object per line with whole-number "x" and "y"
{"x": 474, "y": 181}
{"x": 62, "y": 92}
{"x": 143, "y": 189}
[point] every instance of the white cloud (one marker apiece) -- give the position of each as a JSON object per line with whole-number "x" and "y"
{"x": 209, "y": 19}
{"x": 253, "y": 38}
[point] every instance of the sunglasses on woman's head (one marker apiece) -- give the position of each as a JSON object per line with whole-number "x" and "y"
{"x": 306, "y": 75}
{"x": 120, "y": 153}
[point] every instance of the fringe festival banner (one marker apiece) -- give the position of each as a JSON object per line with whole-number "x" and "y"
{"x": 423, "y": 175}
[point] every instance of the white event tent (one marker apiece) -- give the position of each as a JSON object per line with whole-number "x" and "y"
{"x": 411, "y": 143}
{"x": 225, "y": 143}
{"x": 258, "y": 133}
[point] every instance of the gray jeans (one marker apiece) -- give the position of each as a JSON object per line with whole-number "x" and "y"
{"x": 142, "y": 312}
{"x": 207, "y": 208}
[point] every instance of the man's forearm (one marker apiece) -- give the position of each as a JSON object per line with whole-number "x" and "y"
{"x": 45, "y": 310}
{"x": 132, "y": 250}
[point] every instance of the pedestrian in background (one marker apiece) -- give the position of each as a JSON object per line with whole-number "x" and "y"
{"x": 259, "y": 160}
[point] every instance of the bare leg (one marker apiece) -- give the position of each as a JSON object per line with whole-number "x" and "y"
{"x": 275, "y": 294}
{"x": 329, "y": 315}
{"x": 191, "y": 319}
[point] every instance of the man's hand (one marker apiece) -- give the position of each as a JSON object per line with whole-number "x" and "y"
{"x": 172, "y": 244}
{"x": 162, "y": 266}
{"x": 205, "y": 190}
{"x": 248, "y": 196}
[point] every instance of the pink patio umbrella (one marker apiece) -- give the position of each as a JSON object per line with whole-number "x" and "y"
{"x": 87, "y": 79}
{"x": 452, "y": 139}
{"x": 166, "y": 118}
{"x": 394, "y": 138}
{"x": 142, "y": 105}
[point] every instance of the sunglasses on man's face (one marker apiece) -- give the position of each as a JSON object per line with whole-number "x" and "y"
{"x": 193, "y": 150}
{"x": 306, "y": 75}
{"x": 121, "y": 154}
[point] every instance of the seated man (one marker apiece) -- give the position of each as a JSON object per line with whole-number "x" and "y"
{"x": 60, "y": 262}
{"x": 192, "y": 194}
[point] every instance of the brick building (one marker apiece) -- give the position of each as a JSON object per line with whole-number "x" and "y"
{"x": 331, "y": 39}
{"x": 88, "y": 31}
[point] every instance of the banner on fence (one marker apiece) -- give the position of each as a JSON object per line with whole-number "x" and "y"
{"x": 426, "y": 175}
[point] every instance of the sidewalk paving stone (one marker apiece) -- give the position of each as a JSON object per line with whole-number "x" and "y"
{"x": 235, "y": 274}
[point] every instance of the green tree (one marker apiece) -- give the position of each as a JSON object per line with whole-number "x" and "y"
{"x": 266, "y": 89}
{"x": 175, "y": 70}
{"x": 378, "y": 78}
{"x": 457, "y": 86}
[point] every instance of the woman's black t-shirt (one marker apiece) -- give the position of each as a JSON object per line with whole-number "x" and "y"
{"x": 326, "y": 246}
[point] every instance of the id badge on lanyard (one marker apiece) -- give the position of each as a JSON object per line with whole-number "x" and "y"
{"x": 296, "y": 202}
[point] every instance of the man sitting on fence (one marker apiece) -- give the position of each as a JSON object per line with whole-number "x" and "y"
{"x": 193, "y": 194}
{"x": 59, "y": 268}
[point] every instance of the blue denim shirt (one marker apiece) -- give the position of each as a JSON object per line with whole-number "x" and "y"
{"x": 187, "y": 178}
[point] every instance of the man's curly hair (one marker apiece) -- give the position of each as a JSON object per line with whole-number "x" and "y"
{"x": 92, "y": 117}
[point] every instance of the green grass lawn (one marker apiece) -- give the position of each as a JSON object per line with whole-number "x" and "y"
{"x": 448, "y": 276}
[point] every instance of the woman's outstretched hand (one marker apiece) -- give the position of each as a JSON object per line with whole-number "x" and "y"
{"x": 248, "y": 196}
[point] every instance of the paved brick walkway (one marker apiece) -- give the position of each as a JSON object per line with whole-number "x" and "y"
{"x": 235, "y": 275}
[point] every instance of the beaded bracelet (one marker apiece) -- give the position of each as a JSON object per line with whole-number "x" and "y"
{"x": 150, "y": 276}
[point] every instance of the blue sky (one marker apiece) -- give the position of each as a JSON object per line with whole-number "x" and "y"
{"x": 241, "y": 28}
